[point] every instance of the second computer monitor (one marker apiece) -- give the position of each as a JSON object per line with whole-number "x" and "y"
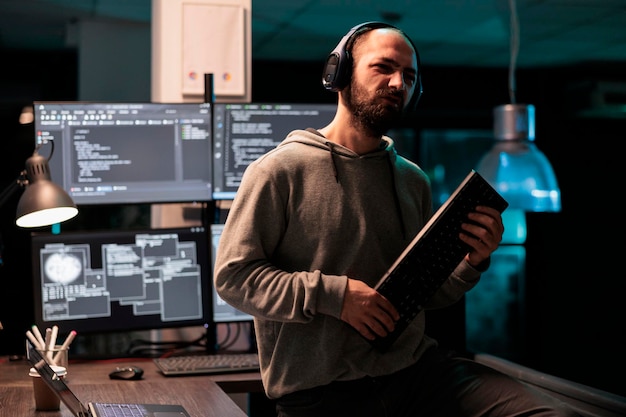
{"x": 244, "y": 132}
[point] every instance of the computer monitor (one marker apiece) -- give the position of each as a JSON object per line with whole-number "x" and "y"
{"x": 112, "y": 153}
{"x": 243, "y": 132}
{"x": 122, "y": 280}
{"x": 222, "y": 311}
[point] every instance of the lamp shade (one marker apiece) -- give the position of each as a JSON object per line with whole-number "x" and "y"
{"x": 515, "y": 166}
{"x": 43, "y": 202}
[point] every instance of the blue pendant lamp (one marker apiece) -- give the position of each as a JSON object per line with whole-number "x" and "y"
{"x": 515, "y": 166}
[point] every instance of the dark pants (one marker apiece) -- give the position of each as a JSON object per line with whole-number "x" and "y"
{"x": 439, "y": 385}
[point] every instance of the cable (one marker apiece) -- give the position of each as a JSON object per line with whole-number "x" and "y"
{"x": 514, "y": 45}
{"x": 151, "y": 348}
{"x": 231, "y": 339}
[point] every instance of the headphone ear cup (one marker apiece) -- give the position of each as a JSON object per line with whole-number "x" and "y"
{"x": 331, "y": 72}
{"x": 337, "y": 69}
{"x": 417, "y": 95}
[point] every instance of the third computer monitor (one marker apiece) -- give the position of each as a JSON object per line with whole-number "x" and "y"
{"x": 222, "y": 311}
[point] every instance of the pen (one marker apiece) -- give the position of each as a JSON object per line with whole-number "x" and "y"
{"x": 33, "y": 339}
{"x": 66, "y": 344}
{"x": 46, "y": 344}
{"x": 52, "y": 343}
{"x": 53, "y": 337}
{"x": 39, "y": 337}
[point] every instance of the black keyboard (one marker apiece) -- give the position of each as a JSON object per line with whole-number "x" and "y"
{"x": 433, "y": 254}
{"x": 219, "y": 363}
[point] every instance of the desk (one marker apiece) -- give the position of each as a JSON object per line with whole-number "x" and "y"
{"x": 202, "y": 396}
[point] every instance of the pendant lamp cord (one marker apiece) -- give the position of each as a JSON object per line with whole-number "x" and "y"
{"x": 514, "y": 46}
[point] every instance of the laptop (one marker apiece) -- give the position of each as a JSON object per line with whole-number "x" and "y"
{"x": 94, "y": 409}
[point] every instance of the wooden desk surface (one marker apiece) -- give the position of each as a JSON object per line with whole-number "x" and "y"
{"x": 202, "y": 396}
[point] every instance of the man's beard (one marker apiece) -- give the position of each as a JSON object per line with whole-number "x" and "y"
{"x": 376, "y": 117}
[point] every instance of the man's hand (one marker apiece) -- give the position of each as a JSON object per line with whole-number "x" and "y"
{"x": 485, "y": 236}
{"x": 367, "y": 311}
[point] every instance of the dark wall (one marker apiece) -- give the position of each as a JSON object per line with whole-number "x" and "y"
{"x": 574, "y": 273}
{"x": 25, "y": 76}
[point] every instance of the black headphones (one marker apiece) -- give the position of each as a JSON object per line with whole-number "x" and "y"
{"x": 338, "y": 67}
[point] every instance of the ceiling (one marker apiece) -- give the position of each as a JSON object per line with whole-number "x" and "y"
{"x": 472, "y": 33}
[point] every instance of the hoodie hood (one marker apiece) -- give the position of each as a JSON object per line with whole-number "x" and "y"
{"x": 314, "y": 138}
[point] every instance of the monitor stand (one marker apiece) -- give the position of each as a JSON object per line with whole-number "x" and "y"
{"x": 211, "y": 339}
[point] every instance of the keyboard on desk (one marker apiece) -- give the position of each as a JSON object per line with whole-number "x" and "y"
{"x": 219, "y": 363}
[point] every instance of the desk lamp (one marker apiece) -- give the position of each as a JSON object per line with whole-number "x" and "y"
{"x": 43, "y": 202}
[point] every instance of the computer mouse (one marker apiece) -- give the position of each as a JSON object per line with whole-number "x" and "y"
{"x": 127, "y": 373}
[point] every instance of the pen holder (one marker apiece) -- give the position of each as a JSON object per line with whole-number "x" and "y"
{"x": 45, "y": 398}
{"x": 56, "y": 356}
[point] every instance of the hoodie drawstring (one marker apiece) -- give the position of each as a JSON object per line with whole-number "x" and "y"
{"x": 332, "y": 160}
{"x": 396, "y": 199}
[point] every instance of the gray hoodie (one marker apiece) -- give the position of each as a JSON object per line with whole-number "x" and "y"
{"x": 308, "y": 215}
